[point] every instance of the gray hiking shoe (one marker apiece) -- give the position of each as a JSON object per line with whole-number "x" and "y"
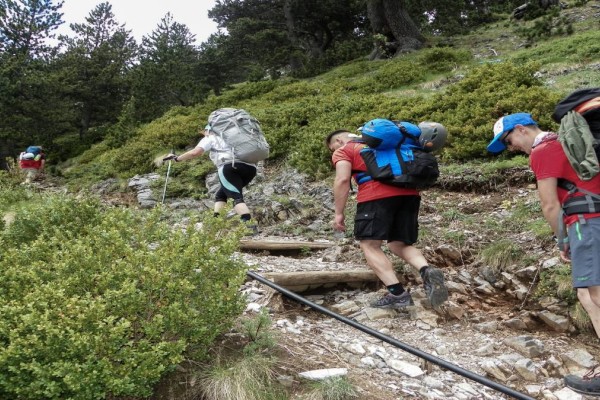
{"x": 391, "y": 301}
{"x": 589, "y": 384}
{"x": 436, "y": 290}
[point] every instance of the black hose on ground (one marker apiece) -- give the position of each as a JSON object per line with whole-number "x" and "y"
{"x": 421, "y": 354}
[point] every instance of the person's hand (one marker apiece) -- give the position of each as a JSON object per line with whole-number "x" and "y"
{"x": 170, "y": 157}
{"x": 565, "y": 248}
{"x": 565, "y": 254}
{"x": 338, "y": 223}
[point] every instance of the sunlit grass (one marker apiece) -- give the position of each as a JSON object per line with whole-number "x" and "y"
{"x": 501, "y": 254}
{"x": 247, "y": 378}
{"x": 338, "y": 388}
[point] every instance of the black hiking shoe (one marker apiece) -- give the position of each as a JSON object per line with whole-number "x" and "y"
{"x": 392, "y": 301}
{"x": 589, "y": 384}
{"x": 436, "y": 290}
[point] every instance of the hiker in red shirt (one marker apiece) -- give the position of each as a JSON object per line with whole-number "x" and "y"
{"x": 383, "y": 213}
{"x": 32, "y": 162}
{"x": 547, "y": 159}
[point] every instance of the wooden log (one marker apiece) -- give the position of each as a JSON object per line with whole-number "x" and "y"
{"x": 302, "y": 278}
{"x": 283, "y": 245}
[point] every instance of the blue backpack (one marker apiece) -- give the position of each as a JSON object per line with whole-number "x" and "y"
{"x": 395, "y": 157}
{"x": 35, "y": 150}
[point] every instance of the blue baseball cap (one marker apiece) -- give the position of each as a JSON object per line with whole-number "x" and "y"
{"x": 507, "y": 124}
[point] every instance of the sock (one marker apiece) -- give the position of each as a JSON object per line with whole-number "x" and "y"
{"x": 422, "y": 271}
{"x": 395, "y": 289}
{"x": 245, "y": 217}
{"x": 216, "y": 214}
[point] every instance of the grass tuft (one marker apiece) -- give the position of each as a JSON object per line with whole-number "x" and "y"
{"x": 502, "y": 254}
{"x": 247, "y": 378}
{"x": 338, "y": 388}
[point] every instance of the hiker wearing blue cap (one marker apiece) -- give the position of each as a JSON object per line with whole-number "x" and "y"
{"x": 233, "y": 176}
{"x": 549, "y": 163}
{"x": 383, "y": 213}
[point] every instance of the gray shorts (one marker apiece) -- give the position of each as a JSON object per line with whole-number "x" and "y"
{"x": 584, "y": 240}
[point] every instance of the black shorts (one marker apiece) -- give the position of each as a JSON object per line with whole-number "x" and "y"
{"x": 392, "y": 219}
{"x": 233, "y": 179}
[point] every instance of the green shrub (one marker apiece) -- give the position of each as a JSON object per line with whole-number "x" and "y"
{"x": 443, "y": 59}
{"x": 99, "y": 302}
{"x": 296, "y": 115}
{"x": 11, "y": 191}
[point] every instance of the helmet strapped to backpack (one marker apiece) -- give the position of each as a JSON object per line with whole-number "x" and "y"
{"x": 433, "y": 136}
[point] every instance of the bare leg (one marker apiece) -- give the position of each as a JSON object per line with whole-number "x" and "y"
{"x": 433, "y": 278}
{"x": 410, "y": 254}
{"x": 219, "y": 205}
{"x": 589, "y": 299}
{"x": 241, "y": 209}
{"x": 378, "y": 261}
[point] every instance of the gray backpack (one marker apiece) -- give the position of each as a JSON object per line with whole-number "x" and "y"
{"x": 242, "y": 132}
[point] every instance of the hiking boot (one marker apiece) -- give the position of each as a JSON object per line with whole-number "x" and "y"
{"x": 436, "y": 290}
{"x": 588, "y": 384}
{"x": 392, "y": 301}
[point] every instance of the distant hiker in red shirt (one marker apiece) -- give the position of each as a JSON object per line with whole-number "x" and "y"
{"x": 32, "y": 162}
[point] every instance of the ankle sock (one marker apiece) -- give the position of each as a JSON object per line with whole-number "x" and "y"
{"x": 395, "y": 289}
{"x": 245, "y": 217}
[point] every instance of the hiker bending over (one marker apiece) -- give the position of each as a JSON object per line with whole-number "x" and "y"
{"x": 233, "y": 175}
{"x": 549, "y": 163}
{"x": 547, "y": 159}
{"x": 383, "y": 213}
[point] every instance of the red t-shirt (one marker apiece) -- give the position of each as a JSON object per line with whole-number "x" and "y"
{"x": 548, "y": 160}
{"x": 37, "y": 164}
{"x": 372, "y": 189}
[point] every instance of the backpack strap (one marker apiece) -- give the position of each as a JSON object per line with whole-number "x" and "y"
{"x": 405, "y": 133}
{"x": 575, "y": 205}
{"x": 586, "y": 204}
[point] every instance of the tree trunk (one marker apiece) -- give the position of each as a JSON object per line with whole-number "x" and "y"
{"x": 296, "y": 63}
{"x": 394, "y": 29}
{"x": 405, "y": 31}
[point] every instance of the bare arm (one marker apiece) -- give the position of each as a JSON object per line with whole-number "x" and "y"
{"x": 193, "y": 153}
{"x": 550, "y": 203}
{"x": 341, "y": 189}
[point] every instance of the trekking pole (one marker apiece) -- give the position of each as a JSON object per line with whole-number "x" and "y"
{"x": 166, "y": 181}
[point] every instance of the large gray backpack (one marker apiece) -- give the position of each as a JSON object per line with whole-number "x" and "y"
{"x": 242, "y": 132}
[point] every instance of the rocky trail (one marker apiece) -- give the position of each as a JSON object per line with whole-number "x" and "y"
{"x": 492, "y": 325}
{"x": 489, "y": 335}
